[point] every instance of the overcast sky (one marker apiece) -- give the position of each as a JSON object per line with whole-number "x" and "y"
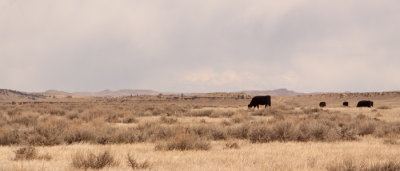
{"x": 200, "y": 46}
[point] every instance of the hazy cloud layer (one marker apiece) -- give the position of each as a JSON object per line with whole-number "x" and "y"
{"x": 200, "y": 46}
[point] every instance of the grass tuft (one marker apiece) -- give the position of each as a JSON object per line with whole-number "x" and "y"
{"x": 90, "y": 160}
{"x": 136, "y": 165}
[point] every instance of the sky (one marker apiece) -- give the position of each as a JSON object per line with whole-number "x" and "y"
{"x": 200, "y": 46}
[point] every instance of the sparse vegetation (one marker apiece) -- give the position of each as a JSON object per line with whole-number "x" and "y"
{"x": 30, "y": 153}
{"x": 351, "y": 165}
{"x": 132, "y": 163}
{"x": 232, "y": 145}
{"x": 85, "y": 160}
{"x": 72, "y": 123}
{"x": 184, "y": 142}
{"x": 191, "y": 127}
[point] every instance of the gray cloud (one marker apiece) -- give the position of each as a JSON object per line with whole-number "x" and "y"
{"x": 306, "y": 45}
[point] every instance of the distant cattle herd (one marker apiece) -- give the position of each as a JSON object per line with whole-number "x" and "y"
{"x": 362, "y": 103}
{"x": 266, "y": 100}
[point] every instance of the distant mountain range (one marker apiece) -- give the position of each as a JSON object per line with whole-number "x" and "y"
{"x": 13, "y": 95}
{"x": 277, "y": 92}
{"x": 7, "y": 95}
{"x": 104, "y": 93}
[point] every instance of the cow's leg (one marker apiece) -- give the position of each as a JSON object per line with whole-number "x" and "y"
{"x": 258, "y": 107}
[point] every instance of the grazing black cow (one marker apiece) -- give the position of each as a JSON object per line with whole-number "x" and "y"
{"x": 365, "y": 103}
{"x": 345, "y": 103}
{"x": 260, "y": 100}
{"x": 322, "y": 104}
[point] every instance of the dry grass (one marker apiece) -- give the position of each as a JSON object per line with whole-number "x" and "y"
{"x": 86, "y": 160}
{"x": 350, "y": 164}
{"x": 203, "y": 134}
{"x": 184, "y": 142}
{"x": 135, "y": 164}
{"x": 250, "y": 156}
{"x": 30, "y": 153}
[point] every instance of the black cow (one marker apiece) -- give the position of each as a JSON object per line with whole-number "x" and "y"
{"x": 260, "y": 100}
{"x": 345, "y": 103}
{"x": 322, "y": 104}
{"x": 365, "y": 103}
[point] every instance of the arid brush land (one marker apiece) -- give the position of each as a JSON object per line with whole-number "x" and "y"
{"x": 200, "y": 132}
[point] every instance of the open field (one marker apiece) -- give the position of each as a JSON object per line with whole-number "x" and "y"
{"x": 202, "y": 133}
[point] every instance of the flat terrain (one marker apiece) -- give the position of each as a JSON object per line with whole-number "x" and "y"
{"x": 213, "y": 132}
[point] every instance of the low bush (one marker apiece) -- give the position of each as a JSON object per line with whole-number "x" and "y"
{"x": 81, "y": 134}
{"x": 311, "y": 110}
{"x": 222, "y": 113}
{"x": 238, "y": 131}
{"x": 136, "y": 165}
{"x": 231, "y": 146}
{"x": 9, "y": 136}
{"x": 351, "y": 165}
{"x": 30, "y": 153}
{"x": 26, "y": 153}
{"x": 200, "y": 112}
{"x": 168, "y": 120}
{"x": 85, "y": 161}
{"x": 130, "y": 119}
{"x": 385, "y": 166}
{"x": 260, "y": 133}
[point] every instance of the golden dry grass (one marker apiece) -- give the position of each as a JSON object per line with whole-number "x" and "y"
{"x": 266, "y": 156}
{"x": 295, "y": 133}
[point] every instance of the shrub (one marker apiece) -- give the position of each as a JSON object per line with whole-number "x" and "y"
{"x": 218, "y": 133}
{"x": 239, "y": 131}
{"x": 391, "y": 141}
{"x": 130, "y": 119}
{"x": 260, "y": 133}
{"x": 201, "y": 112}
{"x": 57, "y": 112}
{"x": 351, "y": 165}
{"x": 222, "y": 113}
{"x": 231, "y": 146}
{"x": 284, "y": 131}
{"x": 345, "y": 165}
{"x": 311, "y": 110}
{"x": 318, "y": 131}
{"x": 161, "y": 132}
{"x": 9, "y": 136}
{"x": 84, "y": 134}
{"x": 386, "y": 166}
{"x": 26, "y": 153}
{"x": 45, "y": 157}
{"x": 72, "y": 116}
{"x": 347, "y": 132}
{"x": 366, "y": 128}
{"x": 25, "y": 119}
{"x": 30, "y": 153}
{"x": 90, "y": 160}
{"x": 136, "y": 165}
{"x": 168, "y": 120}
{"x": 48, "y": 133}
{"x": 200, "y": 130}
